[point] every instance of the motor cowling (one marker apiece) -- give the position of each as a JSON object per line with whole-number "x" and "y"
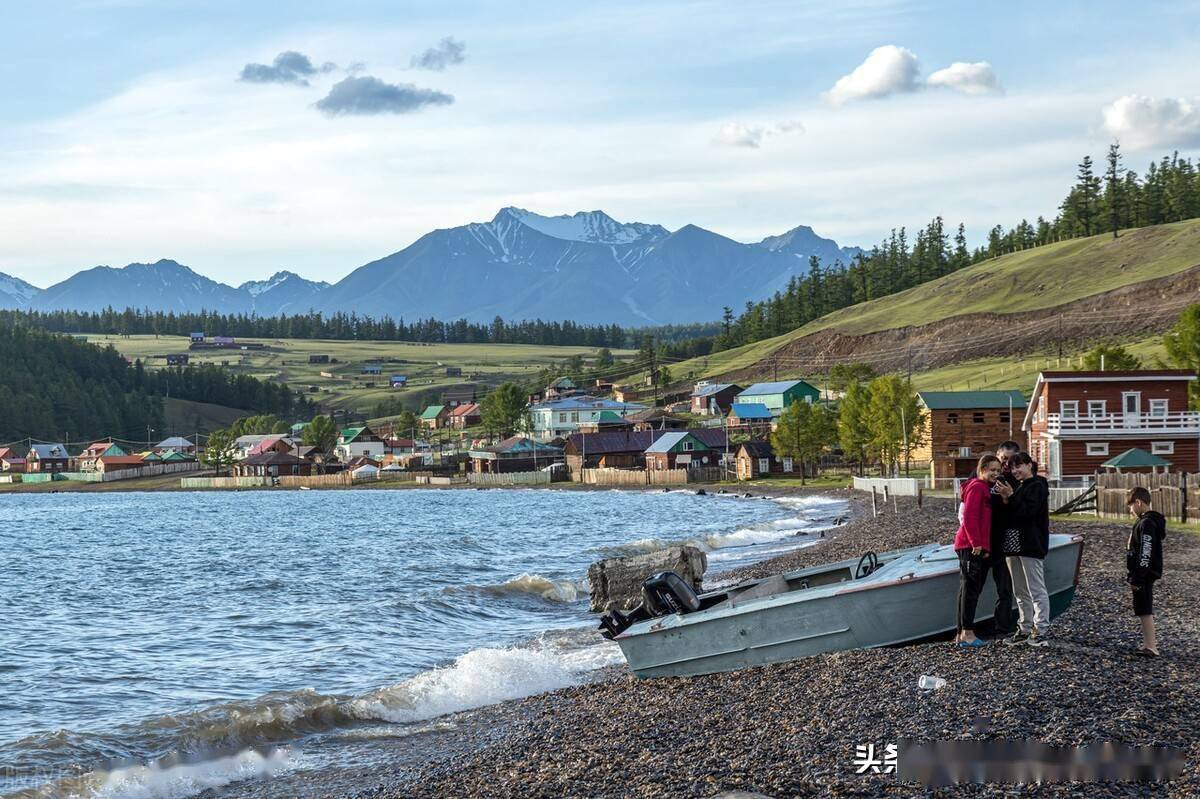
{"x": 666, "y": 593}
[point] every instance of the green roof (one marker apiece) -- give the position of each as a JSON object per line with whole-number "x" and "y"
{"x": 609, "y": 416}
{"x": 432, "y": 411}
{"x": 1134, "y": 459}
{"x": 350, "y": 433}
{"x": 969, "y": 400}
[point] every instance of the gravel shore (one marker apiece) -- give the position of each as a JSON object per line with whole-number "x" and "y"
{"x": 792, "y": 729}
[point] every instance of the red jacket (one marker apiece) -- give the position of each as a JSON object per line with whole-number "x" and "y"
{"x": 976, "y": 515}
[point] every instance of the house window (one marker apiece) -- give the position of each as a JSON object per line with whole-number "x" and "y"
{"x": 1100, "y": 448}
{"x": 1158, "y": 407}
{"x": 764, "y": 465}
{"x": 1096, "y": 407}
{"x": 562, "y": 418}
{"x": 952, "y": 418}
{"x": 575, "y": 416}
{"x": 787, "y": 464}
{"x": 688, "y": 446}
{"x": 1005, "y": 417}
{"x": 1162, "y": 447}
{"x": 1068, "y": 409}
{"x": 977, "y": 417}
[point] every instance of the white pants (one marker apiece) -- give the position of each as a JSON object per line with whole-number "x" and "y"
{"x": 1029, "y": 589}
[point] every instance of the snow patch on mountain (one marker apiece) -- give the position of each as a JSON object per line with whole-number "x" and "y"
{"x": 593, "y": 227}
{"x": 16, "y": 290}
{"x": 257, "y": 287}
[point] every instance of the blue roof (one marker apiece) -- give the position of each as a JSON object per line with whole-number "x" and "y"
{"x": 771, "y": 388}
{"x": 48, "y": 450}
{"x": 749, "y": 410}
{"x": 709, "y": 390}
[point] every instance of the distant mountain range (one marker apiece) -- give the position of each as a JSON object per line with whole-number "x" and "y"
{"x": 586, "y": 267}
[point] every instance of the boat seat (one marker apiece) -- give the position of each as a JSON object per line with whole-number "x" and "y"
{"x": 768, "y": 587}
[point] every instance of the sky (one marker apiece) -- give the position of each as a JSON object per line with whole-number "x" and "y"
{"x": 244, "y": 138}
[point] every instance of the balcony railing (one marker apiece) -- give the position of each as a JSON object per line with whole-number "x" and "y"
{"x": 1122, "y": 422}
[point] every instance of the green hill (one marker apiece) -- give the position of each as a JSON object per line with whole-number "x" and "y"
{"x": 1035, "y": 279}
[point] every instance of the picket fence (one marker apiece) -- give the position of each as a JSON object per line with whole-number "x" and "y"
{"x": 653, "y": 477}
{"x": 224, "y": 482}
{"x": 509, "y": 478}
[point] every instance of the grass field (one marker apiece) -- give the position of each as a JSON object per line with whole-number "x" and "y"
{"x": 425, "y": 365}
{"x": 1040, "y": 278}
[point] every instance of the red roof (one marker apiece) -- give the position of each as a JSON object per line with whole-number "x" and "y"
{"x": 122, "y": 460}
{"x": 470, "y": 409}
{"x": 265, "y": 444}
{"x": 397, "y": 442}
{"x": 1183, "y": 374}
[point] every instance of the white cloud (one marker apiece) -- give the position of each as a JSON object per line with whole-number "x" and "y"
{"x": 968, "y": 78}
{"x": 887, "y": 70}
{"x": 739, "y": 134}
{"x": 1141, "y": 122}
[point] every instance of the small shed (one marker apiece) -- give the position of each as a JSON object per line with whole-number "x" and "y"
{"x": 1136, "y": 460}
{"x": 678, "y": 450}
{"x": 196, "y": 338}
{"x": 398, "y": 381}
{"x": 318, "y": 358}
{"x": 757, "y": 459}
{"x": 372, "y": 369}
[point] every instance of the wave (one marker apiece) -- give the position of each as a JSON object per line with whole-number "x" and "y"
{"x": 536, "y": 584}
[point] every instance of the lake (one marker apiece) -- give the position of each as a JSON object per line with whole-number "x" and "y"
{"x": 155, "y": 644}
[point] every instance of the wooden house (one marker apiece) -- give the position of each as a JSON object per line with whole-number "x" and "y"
{"x": 110, "y": 464}
{"x": 434, "y": 417}
{"x": 749, "y": 417}
{"x": 627, "y": 450}
{"x": 657, "y": 419}
{"x": 757, "y": 459}
{"x": 679, "y": 449}
{"x": 1076, "y": 421}
{"x": 623, "y": 393}
{"x": 960, "y": 426}
{"x": 515, "y": 454}
{"x": 713, "y": 399}
{"x": 398, "y": 381}
{"x": 43, "y": 458}
{"x": 86, "y": 460}
{"x": 372, "y": 369}
{"x": 464, "y": 416}
{"x": 10, "y": 461}
{"x": 273, "y": 464}
{"x": 779, "y": 395}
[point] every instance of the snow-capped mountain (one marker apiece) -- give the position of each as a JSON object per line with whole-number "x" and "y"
{"x": 803, "y": 243}
{"x": 283, "y": 293}
{"x": 16, "y": 293}
{"x": 587, "y": 267}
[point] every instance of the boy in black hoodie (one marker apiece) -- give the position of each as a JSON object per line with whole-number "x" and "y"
{"x": 1144, "y": 562}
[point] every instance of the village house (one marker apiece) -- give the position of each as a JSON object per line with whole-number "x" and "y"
{"x": 110, "y": 464}
{"x": 372, "y": 369}
{"x": 45, "y": 458}
{"x": 657, "y": 419}
{"x": 243, "y": 444}
{"x": 272, "y": 464}
{"x": 555, "y": 418}
{"x": 514, "y": 454}
{"x": 85, "y": 461}
{"x": 398, "y": 381}
{"x": 318, "y": 358}
{"x": 607, "y": 421}
{"x": 753, "y": 418}
{"x": 627, "y": 450}
{"x": 602, "y": 386}
{"x": 176, "y": 444}
{"x": 561, "y": 388}
{"x": 177, "y": 359}
{"x": 434, "y": 417}
{"x": 960, "y": 426}
{"x": 679, "y": 449}
{"x": 779, "y": 395}
{"x": 197, "y": 338}
{"x": 713, "y": 399}
{"x": 757, "y": 459}
{"x": 361, "y": 441}
{"x": 465, "y": 416}
{"x": 272, "y": 443}
{"x": 10, "y": 461}
{"x": 1076, "y": 421}
{"x": 623, "y": 393}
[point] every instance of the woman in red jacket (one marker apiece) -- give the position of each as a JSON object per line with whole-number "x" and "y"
{"x": 972, "y": 542}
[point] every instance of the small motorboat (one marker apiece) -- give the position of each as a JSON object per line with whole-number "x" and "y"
{"x": 891, "y": 598}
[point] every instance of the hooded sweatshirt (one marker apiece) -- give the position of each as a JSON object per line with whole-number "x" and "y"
{"x": 1144, "y": 552}
{"x": 975, "y": 529}
{"x": 1029, "y": 513}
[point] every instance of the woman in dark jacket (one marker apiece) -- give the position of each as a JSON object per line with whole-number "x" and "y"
{"x": 1026, "y": 541}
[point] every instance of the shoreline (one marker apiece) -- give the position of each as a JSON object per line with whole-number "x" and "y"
{"x": 791, "y": 729}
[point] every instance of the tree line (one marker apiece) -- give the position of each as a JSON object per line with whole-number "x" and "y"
{"x": 1104, "y": 200}
{"x": 54, "y": 386}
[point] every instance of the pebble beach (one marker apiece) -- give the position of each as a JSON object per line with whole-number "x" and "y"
{"x": 791, "y": 730}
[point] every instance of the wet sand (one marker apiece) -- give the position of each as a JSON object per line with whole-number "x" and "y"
{"x": 792, "y": 729}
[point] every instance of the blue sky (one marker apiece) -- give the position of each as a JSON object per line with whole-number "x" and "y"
{"x": 126, "y": 134}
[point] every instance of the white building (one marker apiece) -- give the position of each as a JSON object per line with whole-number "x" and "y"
{"x": 563, "y": 417}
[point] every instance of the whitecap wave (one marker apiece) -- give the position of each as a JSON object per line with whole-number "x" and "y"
{"x": 536, "y": 584}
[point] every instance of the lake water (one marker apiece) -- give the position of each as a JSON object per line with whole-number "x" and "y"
{"x": 157, "y": 644}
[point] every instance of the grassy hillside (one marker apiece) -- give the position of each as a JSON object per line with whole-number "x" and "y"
{"x": 1039, "y": 278}
{"x": 425, "y": 365}
{"x": 185, "y": 417}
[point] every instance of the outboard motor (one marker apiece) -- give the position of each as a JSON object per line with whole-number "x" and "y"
{"x": 662, "y": 594}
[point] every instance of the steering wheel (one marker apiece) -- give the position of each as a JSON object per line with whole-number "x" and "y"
{"x": 868, "y": 563}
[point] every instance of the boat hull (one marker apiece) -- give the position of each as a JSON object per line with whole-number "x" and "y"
{"x": 915, "y": 603}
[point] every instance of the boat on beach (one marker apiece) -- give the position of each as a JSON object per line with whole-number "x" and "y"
{"x": 884, "y": 599}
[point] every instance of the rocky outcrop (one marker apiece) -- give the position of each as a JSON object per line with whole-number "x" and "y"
{"x": 617, "y": 582}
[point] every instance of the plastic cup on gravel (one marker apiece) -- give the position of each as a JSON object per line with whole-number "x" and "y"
{"x": 930, "y": 683}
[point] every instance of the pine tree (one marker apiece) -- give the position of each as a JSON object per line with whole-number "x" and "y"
{"x": 1114, "y": 188}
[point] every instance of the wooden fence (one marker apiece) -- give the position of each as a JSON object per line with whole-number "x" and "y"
{"x": 888, "y": 486}
{"x": 649, "y": 477}
{"x": 1175, "y": 495}
{"x": 341, "y": 479}
{"x": 224, "y": 482}
{"x": 509, "y": 478}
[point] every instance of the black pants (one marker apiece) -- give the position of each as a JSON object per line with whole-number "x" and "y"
{"x": 1004, "y": 618}
{"x": 972, "y": 577}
